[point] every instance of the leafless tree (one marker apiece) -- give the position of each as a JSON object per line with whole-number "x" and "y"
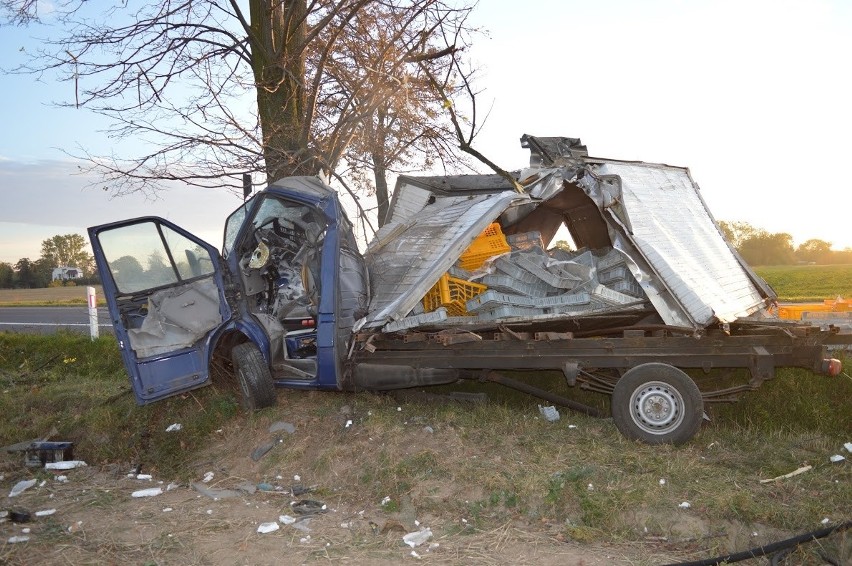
{"x": 328, "y": 81}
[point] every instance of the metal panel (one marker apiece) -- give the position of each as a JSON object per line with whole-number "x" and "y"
{"x": 674, "y": 231}
{"x": 417, "y": 251}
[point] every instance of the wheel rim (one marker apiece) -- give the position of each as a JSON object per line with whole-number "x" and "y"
{"x": 656, "y": 407}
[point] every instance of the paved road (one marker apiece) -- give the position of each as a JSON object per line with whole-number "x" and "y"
{"x": 50, "y": 319}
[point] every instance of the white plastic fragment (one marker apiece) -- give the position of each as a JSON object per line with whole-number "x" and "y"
{"x": 172, "y": 486}
{"x": 572, "y": 426}
{"x": 415, "y": 555}
{"x": 306, "y": 539}
{"x": 428, "y": 429}
{"x": 286, "y": 519}
{"x": 167, "y": 509}
{"x": 43, "y": 483}
{"x": 550, "y": 413}
{"x": 848, "y": 446}
{"x": 825, "y": 521}
{"x": 174, "y": 427}
{"x": 21, "y": 487}
{"x": 17, "y": 539}
{"x": 207, "y": 477}
{"x": 270, "y": 527}
{"x": 662, "y": 481}
{"x": 150, "y": 492}
{"x": 45, "y": 512}
{"x": 836, "y": 458}
{"x": 148, "y": 477}
{"x": 417, "y": 538}
{"x": 385, "y": 500}
{"x": 685, "y": 505}
{"x": 62, "y": 479}
{"x": 297, "y": 477}
{"x": 66, "y": 465}
{"x": 348, "y": 423}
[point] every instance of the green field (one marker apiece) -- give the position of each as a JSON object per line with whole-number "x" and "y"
{"x": 801, "y": 283}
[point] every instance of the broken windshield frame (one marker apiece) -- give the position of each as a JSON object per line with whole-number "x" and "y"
{"x": 233, "y": 224}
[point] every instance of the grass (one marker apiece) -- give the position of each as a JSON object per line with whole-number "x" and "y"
{"x": 50, "y": 296}
{"x": 469, "y": 467}
{"x": 803, "y": 283}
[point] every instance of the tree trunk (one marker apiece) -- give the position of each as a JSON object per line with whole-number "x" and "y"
{"x": 380, "y": 167}
{"x": 278, "y": 62}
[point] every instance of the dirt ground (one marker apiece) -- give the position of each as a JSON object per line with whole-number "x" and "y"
{"x": 98, "y": 521}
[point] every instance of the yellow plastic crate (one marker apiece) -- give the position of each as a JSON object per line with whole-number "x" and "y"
{"x": 488, "y": 244}
{"x": 452, "y": 293}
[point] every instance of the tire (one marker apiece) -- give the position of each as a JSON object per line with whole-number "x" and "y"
{"x": 253, "y": 376}
{"x": 657, "y": 404}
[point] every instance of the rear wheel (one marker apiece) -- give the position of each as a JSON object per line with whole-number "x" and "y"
{"x": 657, "y": 404}
{"x": 253, "y": 376}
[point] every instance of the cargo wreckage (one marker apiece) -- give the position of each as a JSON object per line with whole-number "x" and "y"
{"x": 459, "y": 284}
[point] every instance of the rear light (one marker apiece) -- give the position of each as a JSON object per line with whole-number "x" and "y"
{"x": 831, "y": 367}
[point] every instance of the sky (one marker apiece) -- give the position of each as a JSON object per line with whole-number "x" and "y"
{"x": 754, "y": 96}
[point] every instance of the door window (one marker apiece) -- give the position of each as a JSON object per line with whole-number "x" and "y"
{"x": 148, "y": 255}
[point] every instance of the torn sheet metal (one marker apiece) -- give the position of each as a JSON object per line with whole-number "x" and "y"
{"x": 412, "y": 251}
{"x": 667, "y": 222}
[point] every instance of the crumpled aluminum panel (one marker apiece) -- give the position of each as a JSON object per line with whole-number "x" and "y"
{"x": 674, "y": 231}
{"x": 410, "y": 254}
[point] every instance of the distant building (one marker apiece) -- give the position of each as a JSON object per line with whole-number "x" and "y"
{"x": 66, "y": 273}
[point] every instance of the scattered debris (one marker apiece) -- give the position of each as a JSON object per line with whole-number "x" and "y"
{"x": 247, "y": 488}
{"x": 825, "y": 521}
{"x": 61, "y": 479}
{"x": 801, "y": 470}
{"x": 280, "y": 426}
{"x": 662, "y": 481}
{"x": 207, "y": 477}
{"x": 21, "y": 487}
{"x": 270, "y": 527}
{"x": 45, "y": 512}
{"x": 286, "y": 519}
{"x": 19, "y": 515}
{"x": 174, "y": 427}
{"x": 17, "y": 539}
{"x": 214, "y": 494}
{"x": 385, "y": 500}
{"x": 417, "y": 538}
{"x": 308, "y": 507}
{"x": 685, "y": 505}
{"x": 297, "y": 477}
{"x": 549, "y": 413}
{"x": 836, "y": 458}
{"x": 428, "y": 429}
{"x": 848, "y": 446}
{"x": 261, "y": 450}
{"x": 150, "y": 492}
{"x": 147, "y": 477}
{"x": 167, "y": 509}
{"x": 39, "y": 453}
{"x": 265, "y": 487}
{"x": 66, "y": 465}
{"x": 302, "y": 525}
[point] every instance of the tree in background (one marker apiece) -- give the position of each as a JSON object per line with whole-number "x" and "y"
{"x": 67, "y": 251}
{"x": 7, "y": 276}
{"x": 815, "y": 251}
{"x": 324, "y": 75}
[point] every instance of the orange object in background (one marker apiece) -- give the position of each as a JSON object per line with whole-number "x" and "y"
{"x": 794, "y": 311}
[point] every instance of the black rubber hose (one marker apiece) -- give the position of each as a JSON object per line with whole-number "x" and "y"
{"x": 768, "y": 549}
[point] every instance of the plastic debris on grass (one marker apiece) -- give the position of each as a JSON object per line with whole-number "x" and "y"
{"x": 417, "y": 538}
{"x": 150, "y": 492}
{"x": 21, "y": 487}
{"x": 549, "y": 413}
{"x": 685, "y": 505}
{"x": 836, "y": 458}
{"x": 174, "y": 427}
{"x": 66, "y": 465}
{"x": 270, "y": 527}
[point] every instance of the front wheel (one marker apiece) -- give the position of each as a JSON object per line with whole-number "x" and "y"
{"x": 657, "y": 404}
{"x": 254, "y": 377}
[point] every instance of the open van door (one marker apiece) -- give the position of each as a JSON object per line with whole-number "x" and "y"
{"x": 165, "y": 292}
